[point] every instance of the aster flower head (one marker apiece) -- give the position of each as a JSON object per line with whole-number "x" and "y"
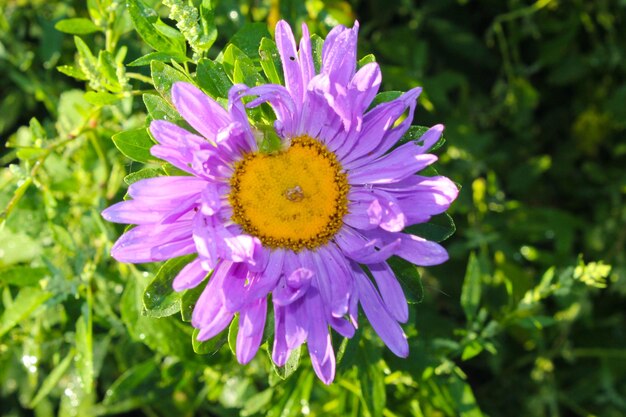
{"x": 308, "y": 227}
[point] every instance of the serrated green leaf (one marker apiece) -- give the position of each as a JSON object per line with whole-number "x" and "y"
{"x": 164, "y": 76}
{"x": 438, "y": 228}
{"x": 212, "y": 78}
{"x": 76, "y": 26}
{"x": 135, "y": 144}
{"x": 159, "y": 298}
{"x": 470, "y": 294}
{"x": 270, "y": 61}
{"x": 145, "y": 19}
{"x": 409, "y": 278}
{"x": 27, "y": 300}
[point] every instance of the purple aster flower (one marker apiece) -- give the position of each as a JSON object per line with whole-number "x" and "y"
{"x": 311, "y": 224}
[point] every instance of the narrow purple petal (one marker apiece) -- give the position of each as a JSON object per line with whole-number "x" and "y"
{"x": 251, "y": 324}
{"x": 190, "y": 276}
{"x": 286, "y": 45}
{"x": 365, "y": 250}
{"x": 211, "y": 302}
{"x": 420, "y": 251}
{"x": 166, "y": 188}
{"x": 307, "y": 69}
{"x": 320, "y": 346}
{"x": 398, "y": 164}
{"x": 202, "y": 112}
{"x": 391, "y": 291}
{"x": 378, "y": 132}
{"x": 138, "y": 244}
{"x": 280, "y": 351}
{"x": 339, "y": 54}
{"x": 387, "y": 328}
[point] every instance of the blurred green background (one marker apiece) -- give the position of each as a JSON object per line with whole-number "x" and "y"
{"x": 527, "y": 319}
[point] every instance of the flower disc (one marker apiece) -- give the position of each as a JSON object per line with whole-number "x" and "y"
{"x": 292, "y": 199}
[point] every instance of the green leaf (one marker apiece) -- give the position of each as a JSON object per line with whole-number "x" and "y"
{"x": 76, "y": 26}
{"x": 158, "y": 56}
{"x": 240, "y": 68}
{"x": 135, "y": 144}
{"x": 384, "y": 97}
{"x": 207, "y": 23}
{"x": 52, "y": 380}
{"x": 371, "y": 379}
{"x": 248, "y": 38}
{"x": 470, "y": 294}
{"x": 270, "y": 142}
{"x": 211, "y": 346}
{"x": 84, "y": 351}
{"x": 101, "y": 98}
{"x": 160, "y": 109}
{"x": 291, "y": 366}
{"x": 367, "y": 59}
{"x": 72, "y": 71}
{"x": 212, "y": 78}
{"x": 164, "y": 76}
{"x": 27, "y": 300}
{"x": 270, "y": 61}
{"x": 409, "y": 278}
{"x": 142, "y": 174}
{"x": 438, "y": 228}
{"x": 159, "y": 298}
{"x": 316, "y": 50}
{"x": 145, "y": 19}
{"x": 23, "y": 276}
{"x": 232, "y": 334}
{"x": 134, "y": 383}
{"x": 189, "y": 299}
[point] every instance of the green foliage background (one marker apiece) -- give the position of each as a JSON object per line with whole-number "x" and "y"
{"x": 527, "y": 318}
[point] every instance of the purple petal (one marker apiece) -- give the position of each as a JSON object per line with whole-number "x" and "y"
{"x": 339, "y": 54}
{"x": 202, "y": 112}
{"x": 364, "y": 250}
{"x": 420, "y": 251}
{"x": 138, "y": 244}
{"x": 387, "y": 328}
{"x": 307, "y": 69}
{"x": 400, "y": 163}
{"x": 286, "y": 45}
{"x": 280, "y": 351}
{"x": 164, "y": 189}
{"x": 320, "y": 346}
{"x": 190, "y": 276}
{"x": 391, "y": 291}
{"x": 251, "y": 324}
{"x": 378, "y": 133}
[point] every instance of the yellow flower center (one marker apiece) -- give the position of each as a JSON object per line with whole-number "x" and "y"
{"x": 292, "y": 199}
